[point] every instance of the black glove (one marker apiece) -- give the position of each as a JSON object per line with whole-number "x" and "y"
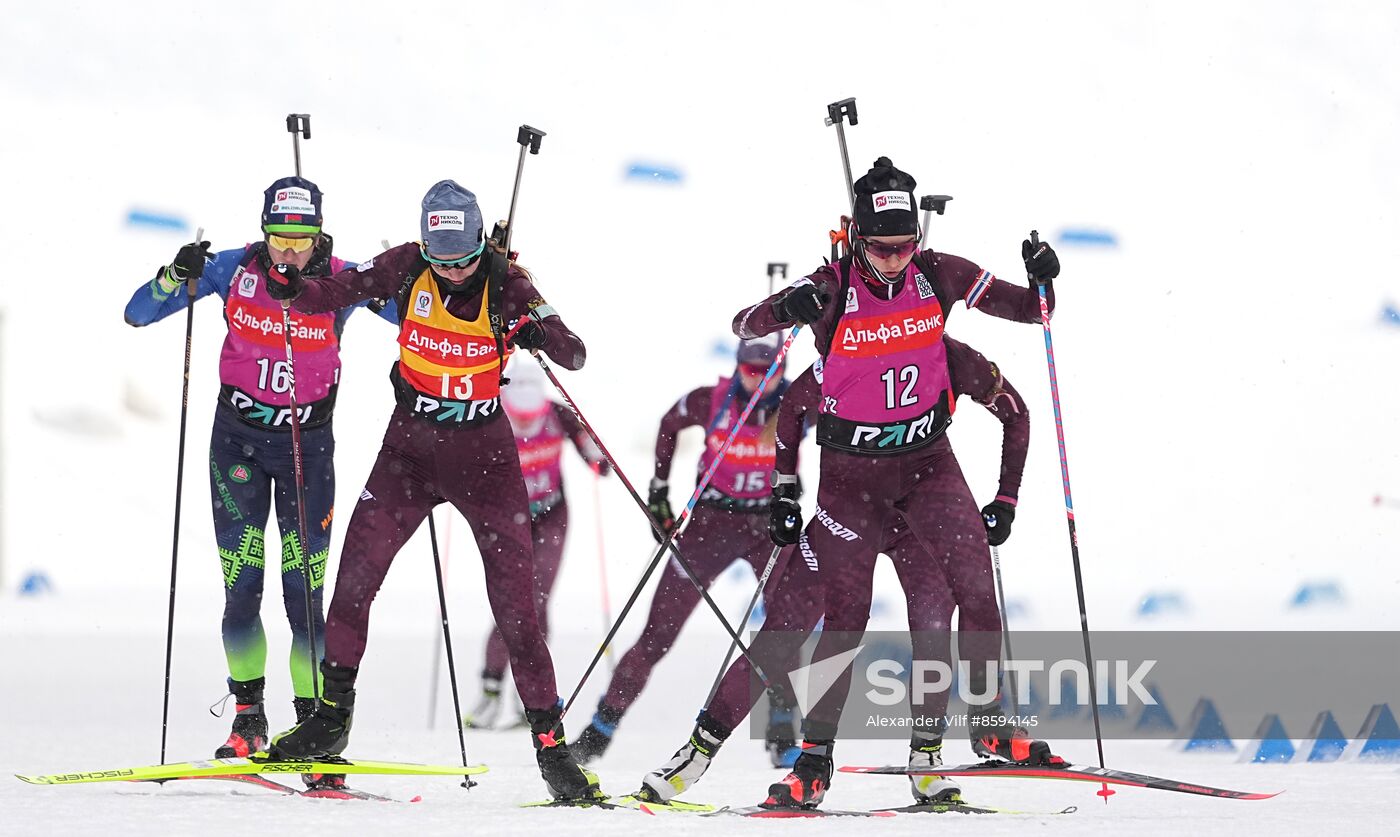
{"x": 659, "y": 507}
{"x": 784, "y": 515}
{"x": 1042, "y": 264}
{"x": 531, "y": 336}
{"x": 189, "y": 262}
{"x": 284, "y": 282}
{"x": 802, "y": 304}
{"x": 997, "y": 517}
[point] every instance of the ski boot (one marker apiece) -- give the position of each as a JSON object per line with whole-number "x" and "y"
{"x": 806, "y": 785}
{"x": 926, "y": 752}
{"x": 562, "y": 775}
{"x": 1015, "y": 745}
{"x": 781, "y": 744}
{"x": 688, "y": 764}
{"x": 488, "y": 708}
{"x": 249, "y": 734}
{"x": 322, "y": 783}
{"x": 594, "y": 740}
{"x": 326, "y": 731}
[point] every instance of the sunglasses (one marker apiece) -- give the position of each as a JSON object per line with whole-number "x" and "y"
{"x": 296, "y": 245}
{"x": 464, "y": 261}
{"x": 881, "y": 250}
{"x": 753, "y": 370}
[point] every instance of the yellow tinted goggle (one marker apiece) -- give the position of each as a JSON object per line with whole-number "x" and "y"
{"x": 296, "y": 245}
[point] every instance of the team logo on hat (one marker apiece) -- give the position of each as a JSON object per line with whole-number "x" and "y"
{"x": 293, "y": 199}
{"x": 446, "y": 221}
{"x": 892, "y": 200}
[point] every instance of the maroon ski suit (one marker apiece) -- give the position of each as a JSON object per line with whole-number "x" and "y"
{"x": 932, "y": 581}
{"x": 864, "y": 483}
{"x": 427, "y": 458}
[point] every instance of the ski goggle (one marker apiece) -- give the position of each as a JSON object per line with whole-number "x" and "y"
{"x": 753, "y": 370}
{"x": 296, "y": 245}
{"x": 881, "y": 250}
{"x": 452, "y": 264}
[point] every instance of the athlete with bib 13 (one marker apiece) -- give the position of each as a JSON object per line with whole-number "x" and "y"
{"x": 447, "y": 441}
{"x": 877, "y": 317}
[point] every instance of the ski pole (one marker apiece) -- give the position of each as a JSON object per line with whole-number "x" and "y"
{"x": 602, "y": 563}
{"x": 179, "y": 488}
{"x": 836, "y": 114}
{"x": 669, "y": 539}
{"x": 748, "y": 613}
{"x": 299, "y": 124}
{"x": 775, "y": 270}
{"x": 436, "y": 677}
{"x": 1069, "y": 514}
{"x": 447, "y": 642}
{"x": 1005, "y": 625}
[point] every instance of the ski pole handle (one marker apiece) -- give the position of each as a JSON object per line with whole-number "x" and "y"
{"x": 519, "y": 324}
{"x": 1035, "y": 245}
{"x": 189, "y": 285}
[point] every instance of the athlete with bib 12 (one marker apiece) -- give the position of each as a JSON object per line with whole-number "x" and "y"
{"x": 877, "y": 317}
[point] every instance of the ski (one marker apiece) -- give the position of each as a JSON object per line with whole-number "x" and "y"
{"x": 675, "y": 806}
{"x": 792, "y": 813}
{"x": 968, "y": 808}
{"x": 253, "y": 765}
{"x": 288, "y": 790}
{"x": 248, "y": 779}
{"x": 349, "y": 793}
{"x": 1096, "y": 775}
{"x": 603, "y": 803}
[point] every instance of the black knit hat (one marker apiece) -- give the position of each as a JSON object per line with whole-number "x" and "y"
{"x": 885, "y": 202}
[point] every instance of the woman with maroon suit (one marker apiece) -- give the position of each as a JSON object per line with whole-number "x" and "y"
{"x": 445, "y": 442}
{"x": 877, "y": 316}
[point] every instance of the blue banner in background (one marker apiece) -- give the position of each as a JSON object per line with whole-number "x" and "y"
{"x": 156, "y": 220}
{"x": 1087, "y": 237}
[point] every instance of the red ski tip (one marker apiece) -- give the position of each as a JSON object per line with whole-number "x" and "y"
{"x": 418, "y": 798}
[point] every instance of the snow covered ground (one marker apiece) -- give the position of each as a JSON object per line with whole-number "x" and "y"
{"x": 1228, "y": 387}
